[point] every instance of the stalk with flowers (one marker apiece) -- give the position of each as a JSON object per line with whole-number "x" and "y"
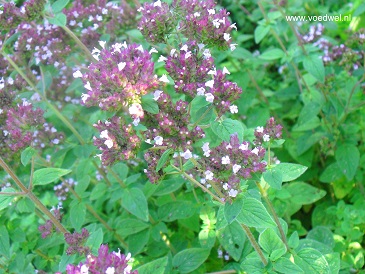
{"x": 156, "y": 141}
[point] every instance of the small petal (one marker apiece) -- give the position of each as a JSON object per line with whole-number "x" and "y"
{"x": 121, "y": 65}
{"x": 164, "y": 79}
{"x": 226, "y": 71}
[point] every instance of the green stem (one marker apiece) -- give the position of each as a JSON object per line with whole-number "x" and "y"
{"x": 78, "y": 42}
{"x": 254, "y": 244}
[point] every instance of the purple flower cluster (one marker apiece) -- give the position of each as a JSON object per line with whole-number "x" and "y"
{"x": 119, "y": 78}
{"x": 76, "y": 242}
{"x": 315, "y": 32}
{"x": 48, "y": 228}
{"x": 270, "y": 132}
{"x": 229, "y": 162}
{"x": 116, "y": 142}
{"x": 11, "y": 16}
{"x": 62, "y": 189}
{"x": 104, "y": 262}
{"x": 196, "y": 20}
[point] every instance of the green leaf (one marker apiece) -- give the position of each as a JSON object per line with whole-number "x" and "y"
{"x": 207, "y": 238}
{"x": 272, "y": 54}
{"x": 334, "y": 261}
{"x": 4, "y": 242}
{"x": 131, "y": 226}
{"x": 314, "y": 65}
{"x": 348, "y": 157}
{"x": 225, "y": 129}
{"x": 304, "y": 194}
{"x": 274, "y": 178}
{"x": 95, "y": 240}
{"x": 293, "y": 240}
{"x": 231, "y": 211}
{"x": 290, "y": 171}
{"x": 59, "y": 5}
{"x": 190, "y": 259}
{"x": 255, "y": 214}
{"x": 232, "y": 238}
{"x": 176, "y": 210}
{"x": 331, "y": 173}
{"x": 311, "y": 261}
{"x": 27, "y": 155}
{"x": 59, "y": 20}
{"x": 285, "y": 266}
{"x": 322, "y": 234}
{"x": 134, "y": 201}
{"x": 98, "y": 191}
{"x": 271, "y": 242}
{"x": 155, "y": 267}
{"x": 168, "y": 186}
{"x": 149, "y": 104}
{"x": 136, "y": 242}
{"x": 45, "y": 176}
{"x": 77, "y": 215}
{"x": 164, "y": 157}
{"x": 199, "y": 106}
{"x": 260, "y": 33}
{"x": 6, "y": 200}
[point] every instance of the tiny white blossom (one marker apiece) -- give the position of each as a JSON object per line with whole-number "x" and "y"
{"x": 226, "y": 160}
{"x": 233, "y": 109}
{"x": 203, "y": 181}
{"x": 209, "y": 175}
{"x": 187, "y": 55}
{"x": 22, "y": 9}
{"x": 87, "y": 86}
{"x": 207, "y": 53}
{"x": 213, "y": 71}
{"x": 121, "y": 65}
{"x": 226, "y": 71}
{"x": 226, "y": 36}
{"x": 99, "y": 17}
{"x": 2, "y": 83}
{"x": 104, "y": 11}
{"x": 161, "y": 58}
{"x": 158, "y": 140}
{"x": 77, "y": 74}
{"x": 266, "y": 138}
{"x": 84, "y": 97}
{"x": 236, "y": 168}
{"x": 232, "y": 193}
{"x": 206, "y": 149}
{"x": 187, "y": 154}
{"x": 157, "y": 94}
{"x": 260, "y": 129}
{"x": 216, "y": 23}
{"x": 84, "y": 269}
{"x": 164, "y": 79}
{"x": 172, "y": 52}
{"x": 255, "y": 151}
{"x": 56, "y": 141}
{"x": 210, "y": 83}
{"x": 233, "y": 26}
{"x": 196, "y": 14}
{"x": 102, "y": 44}
{"x": 104, "y": 134}
{"x": 109, "y": 143}
{"x": 1, "y": 111}
{"x": 209, "y": 97}
{"x": 153, "y": 50}
{"x": 226, "y": 257}
{"x": 225, "y": 186}
{"x": 110, "y": 270}
{"x": 211, "y": 11}
{"x": 243, "y": 146}
{"x": 233, "y": 46}
{"x": 157, "y": 4}
{"x": 140, "y": 48}
{"x": 140, "y": 9}
{"x": 184, "y": 48}
{"x": 200, "y": 91}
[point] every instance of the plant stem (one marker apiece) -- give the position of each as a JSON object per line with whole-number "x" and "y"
{"x": 254, "y": 244}
{"x": 31, "y": 196}
{"x": 79, "y": 43}
{"x": 223, "y": 272}
{"x": 272, "y": 210}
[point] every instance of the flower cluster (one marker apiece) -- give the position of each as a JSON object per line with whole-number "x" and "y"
{"x": 229, "y": 162}
{"x": 48, "y": 228}
{"x": 62, "y": 189}
{"x": 270, "y": 132}
{"x": 119, "y": 78}
{"x": 76, "y": 242}
{"x": 11, "y": 16}
{"x": 104, "y": 262}
{"x": 116, "y": 141}
{"x": 197, "y": 20}
{"x": 315, "y": 32}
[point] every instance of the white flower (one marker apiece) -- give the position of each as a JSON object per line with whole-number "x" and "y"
{"x": 22, "y": 9}
{"x": 157, "y": 94}
{"x": 200, "y": 91}
{"x": 187, "y": 55}
{"x": 228, "y": 146}
{"x": 216, "y": 23}
{"x": 157, "y": 4}
{"x": 232, "y": 193}
{"x": 213, "y": 71}
{"x": 226, "y": 36}
{"x": 211, "y": 11}
{"x": 207, "y": 53}
{"x": 233, "y": 109}
{"x": 84, "y": 269}
{"x": 233, "y": 26}
{"x": 226, "y": 71}
{"x": 134, "y": 108}
{"x": 225, "y": 186}
{"x": 196, "y": 14}
{"x": 140, "y": 48}
{"x": 184, "y": 48}
{"x": 121, "y": 65}
{"x": 2, "y": 83}
{"x": 153, "y": 50}
{"x": 260, "y": 129}
{"x": 206, "y": 149}
{"x": 102, "y": 43}
{"x": 99, "y": 18}
{"x": 104, "y": 11}
{"x": 209, "y": 97}
{"x": 1, "y": 111}
{"x": 104, "y": 134}
{"x": 236, "y": 168}
{"x": 243, "y": 146}
{"x": 266, "y": 138}
{"x": 161, "y": 58}
{"x": 187, "y": 154}
{"x": 84, "y": 97}
{"x": 10, "y": 81}
{"x": 209, "y": 175}
{"x": 203, "y": 181}
{"x": 209, "y": 83}
{"x": 158, "y": 140}
{"x": 226, "y": 160}
{"x": 110, "y": 270}
{"x": 164, "y": 79}
{"x": 87, "y": 86}
{"x": 77, "y": 74}
{"x": 255, "y": 151}
{"x": 172, "y": 52}
{"x": 233, "y": 46}
{"x": 109, "y": 143}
